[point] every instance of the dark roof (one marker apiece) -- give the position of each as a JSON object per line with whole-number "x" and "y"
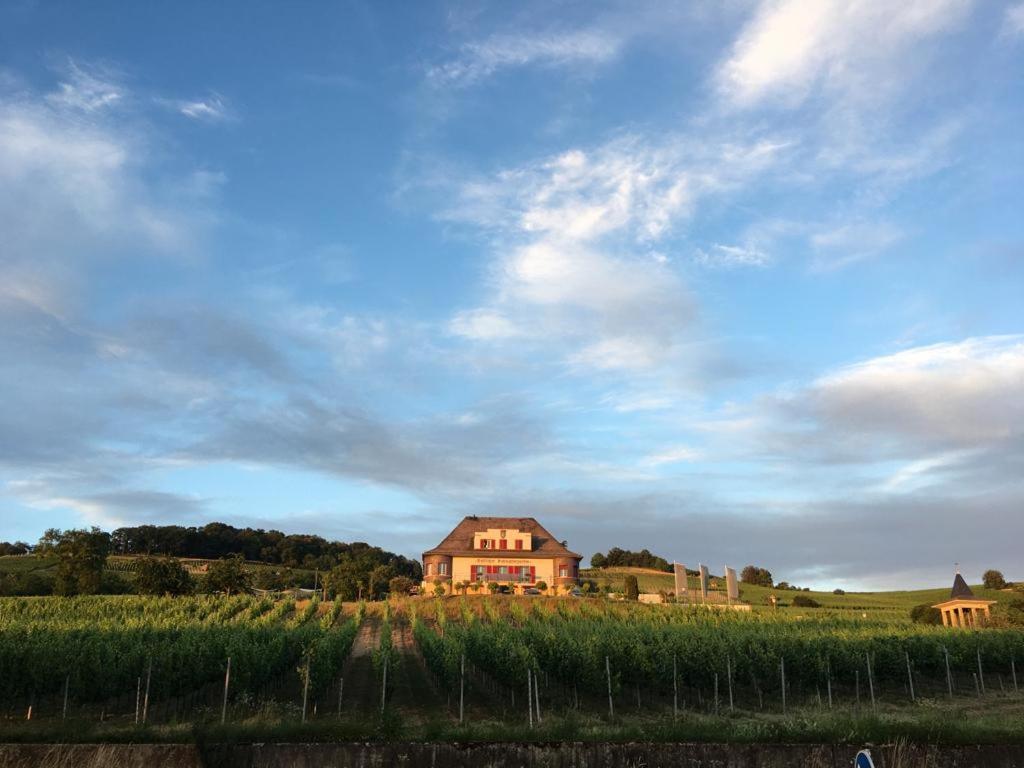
{"x": 960, "y": 588}
{"x": 460, "y": 540}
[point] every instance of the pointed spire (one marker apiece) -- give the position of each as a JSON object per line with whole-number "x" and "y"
{"x": 960, "y": 588}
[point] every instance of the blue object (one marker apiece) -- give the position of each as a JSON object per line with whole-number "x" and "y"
{"x": 863, "y": 759}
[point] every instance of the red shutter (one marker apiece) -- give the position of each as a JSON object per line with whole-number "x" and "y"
{"x": 504, "y": 544}
{"x": 519, "y": 543}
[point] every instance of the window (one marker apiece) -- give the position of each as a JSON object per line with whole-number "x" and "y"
{"x": 519, "y": 543}
{"x": 563, "y": 571}
{"x": 442, "y": 568}
{"x": 485, "y": 543}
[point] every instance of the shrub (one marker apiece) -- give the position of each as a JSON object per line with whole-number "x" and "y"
{"x": 542, "y": 586}
{"x": 401, "y": 585}
{"x": 803, "y": 601}
{"x": 925, "y": 614}
{"x": 993, "y": 579}
{"x": 838, "y": 591}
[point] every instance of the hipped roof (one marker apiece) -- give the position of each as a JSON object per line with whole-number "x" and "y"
{"x": 460, "y": 540}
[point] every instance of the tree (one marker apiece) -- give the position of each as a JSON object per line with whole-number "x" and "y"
{"x": 475, "y": 586}
{"x": 81, "y": 555}
{"x": 803, "y": 601}
{"x": 542, "y": 586}
{"x": 17, "y": 548}
{"x": 993, "y": 579}
{"x": 439, "y": 590}
{"x": 598, "y": 561}
{"x": 631, "y": 587}
{"x": 925, "y": 614}
{"x": 161, "y": 576}
{"x": 755, "y": 575}
{"x": 493, "y": 586}
{"x": 400, "y": 585}
{"x": 377, "y": 581}
{"x": 227, "y": 575}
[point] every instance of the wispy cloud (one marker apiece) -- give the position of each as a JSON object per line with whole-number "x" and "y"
{"x": 730, "y": 256}
{"x": 478, "y": 60}
{"x": 1013, "y": 21}
{"x": 849, "y": 243}
{"x": 89, "y": 89}
{"x": 212, "y": 108}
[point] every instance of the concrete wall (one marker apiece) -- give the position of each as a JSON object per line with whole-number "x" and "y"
{"x": 566, "y": 755}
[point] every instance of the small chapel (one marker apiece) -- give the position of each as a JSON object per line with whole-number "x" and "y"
{"x": 963, "y": 609}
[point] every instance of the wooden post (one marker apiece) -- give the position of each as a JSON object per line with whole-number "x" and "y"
{"x": 608, "y": 673}
{"x": 227, "y": 683}
{"x": 305, "y": 690}
{"x": 384, "y": 683}
{"x": 828, "y": 680}
{"x": 138, "y": 698}
{"x": 536, "y": 694}
{"x": 977, "y": 687}
{"x": 145, "y": 698}
{"x": 856, "y": 673}
{"x": 871, "y": 679}
{"x": 949, "y": 675}
{"x": 462, "y": 687}
{"x": 1013, "y": 671}
{"x": 28, "y": 715}
{"x": 341, "y": 691}
{"x": 716, "y": 693}
{"x": 675, "y": 690}
{"x": 529, "y": 694}
{"x": 782, "y": 674}
{"x": 728, "y": 676}
{"x": 67, "y": 685}
{"x": 910, "y": 676}
{"x": 981, "y": 674}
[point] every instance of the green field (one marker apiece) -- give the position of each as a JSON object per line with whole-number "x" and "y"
{"x": 597, "y": 670}
{"x": 882, "y": 606}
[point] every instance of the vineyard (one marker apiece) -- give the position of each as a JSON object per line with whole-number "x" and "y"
{"x": 89, "y": 652}
{"x": 512, "y": 665}
{"x": 616, "y": 656}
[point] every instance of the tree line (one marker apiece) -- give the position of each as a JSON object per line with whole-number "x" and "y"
{"x": 81, "y": 557}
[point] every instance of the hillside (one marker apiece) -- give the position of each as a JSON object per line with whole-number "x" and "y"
{"x": 894, "y": 605}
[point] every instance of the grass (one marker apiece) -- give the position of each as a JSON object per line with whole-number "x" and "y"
{"x": 927, "y": 723}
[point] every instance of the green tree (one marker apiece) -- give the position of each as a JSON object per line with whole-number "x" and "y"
{"x": 993, "y": 579}
{"x": 631, "y": 587}
{"x": 803, "y": 601}
{"x": 542, "y": 586}
{"x": 439, "y": 590}
{"x": 925, "y": 614}
{"x": 345, "y": 581}
{"x": 598, "y": 561}
{"x": 227, "y": 575}
{"x": 400, "y": 585}
{"x": 161, "y": 576}
{"x": 754, "y": 575}
{"x": 81, "y": 555}
{"x": 493, "y": 586}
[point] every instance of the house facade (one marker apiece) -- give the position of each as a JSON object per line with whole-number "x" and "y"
{"x": 514, "y": 552}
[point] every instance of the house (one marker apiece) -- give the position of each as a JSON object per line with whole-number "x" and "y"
{"x": 963, "y": 609}
{"x": 514, "y": 552}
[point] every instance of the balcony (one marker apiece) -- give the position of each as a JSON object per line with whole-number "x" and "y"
{"x": 514, "y": 578}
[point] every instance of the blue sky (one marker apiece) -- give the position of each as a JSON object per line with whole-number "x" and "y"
{"x": 738, "y": 282}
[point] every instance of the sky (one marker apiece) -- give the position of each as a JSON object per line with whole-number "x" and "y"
{"x": 739, "y": 282}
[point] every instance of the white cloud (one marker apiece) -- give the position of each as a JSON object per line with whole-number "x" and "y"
{"x": 84, "y": 90}
{"x": 852, "y": 242}
{"x": 212, "y": 108}
{"x": 729, "y": 256}
{"x": 478, "y": 60}
{"x": 791, "y": 47}
{"x": 1013, "y": 21}
{"x": 676, "y": 454}
{"x": 958, "y": 394}
{"x": 482, "y": 324}
{"x": 573, "y": 236}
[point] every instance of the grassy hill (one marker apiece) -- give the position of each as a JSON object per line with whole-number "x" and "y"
{"x": 891, "y": 606}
